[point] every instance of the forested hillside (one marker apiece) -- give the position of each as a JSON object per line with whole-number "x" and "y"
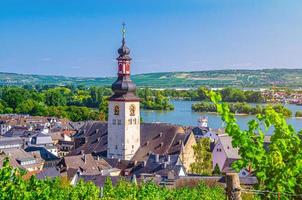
{"x": 215, "y": 78}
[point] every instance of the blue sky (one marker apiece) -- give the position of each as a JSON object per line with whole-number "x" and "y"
{"x": 80, "y": 37}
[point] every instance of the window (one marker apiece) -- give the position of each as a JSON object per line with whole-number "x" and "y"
{"x": 132, "y": 110}
{"x": 116, "y": 146}
{"x": 134, "y": 121}
{"x": 114, "y": 121}
{"x": 116, "y": 110}
{"x": 130, "y": 121}
{"x": 132, "y": 146}
{"x": 119, "y": 122}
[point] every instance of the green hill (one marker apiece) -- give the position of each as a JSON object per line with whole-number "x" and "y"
{"x": 215, "y": 78}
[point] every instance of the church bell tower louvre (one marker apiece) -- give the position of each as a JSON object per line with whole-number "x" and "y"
{"x": 124, "y": 110}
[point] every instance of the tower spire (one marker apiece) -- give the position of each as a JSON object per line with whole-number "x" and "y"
{"x": 123, "y": 87}
{"x": 124, "y": 30}
{"x": 123, "y": 110}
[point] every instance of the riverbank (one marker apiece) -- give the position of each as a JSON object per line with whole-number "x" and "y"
{"x": 183, "y": 115}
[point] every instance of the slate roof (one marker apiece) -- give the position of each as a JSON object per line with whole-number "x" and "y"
{"x": 161, "y": 165}
{"x": 41, "y": 139}
{"x": 120, "y": 164}
{"x": 200, "y": 131}
{"x": 226, "y": 142}
{"x": 17, "y": 131}
{"x": 19, "y": 155}
{"x": 158, "y": 138}
{"x": 5, "y": 142}
{"x": 85, "y": 163}
{"x": 42, "y": 152}
{"x": 51, "y": 172}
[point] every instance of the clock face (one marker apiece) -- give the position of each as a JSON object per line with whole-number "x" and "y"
{"x": 132, "y": 110}
{"x": 116, "y": 110}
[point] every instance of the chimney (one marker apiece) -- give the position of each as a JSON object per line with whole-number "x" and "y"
{"x": 160, "y": 134}
{"x": 157, "y": 158}
{"x": 165, "y": 165}
{"x": 144, "y": 163}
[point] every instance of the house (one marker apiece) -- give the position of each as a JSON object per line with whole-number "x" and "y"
{"x": 22, "y": 159}
{"x": 49, "y": 159}
{"x": 17, "y": 131}
{"x": 84, "y": 164}
{"x": 48, "y": 173}
{"x": 224, "y": 154}
{"x": 42, "y": 139}
{"x": 61, "y": 135}
{"x": 64, "y": 147}
{"x": 166, "y": 166}
{"x": 11, "y": 143}
{"x": 4, "y": 127}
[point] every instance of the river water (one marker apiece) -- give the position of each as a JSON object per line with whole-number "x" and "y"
{"x": 183, "y": 115}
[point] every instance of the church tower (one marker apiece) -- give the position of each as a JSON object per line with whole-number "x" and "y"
{"x": 124, "y": 110}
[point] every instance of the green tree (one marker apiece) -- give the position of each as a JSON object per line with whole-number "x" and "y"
{"x": 277, "y": 168}
{"x": 14, "y": 96}
{"x": 103, "y": 109}
{"x": 57, "y": 96}
{"x": 201, "y": 91}
{"x": 13, "y": 186}
{"x": 279, "y": 108}
{"x": 203, "y": 157}
{"x": 298, "y": 114}
{"x": 216, "y": 170}
{"x": 108, "y": 188}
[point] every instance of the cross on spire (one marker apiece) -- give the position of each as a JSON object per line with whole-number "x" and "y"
{"x": 123, "y": 29}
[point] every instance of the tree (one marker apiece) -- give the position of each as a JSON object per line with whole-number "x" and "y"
{"x": 202, "y": 94}
{"x": 279, "y": 167}
{"x": 13, "y": 186}
{"x": 2, "y": 108}
{"x": 203, "y": 157}
{"x": 14, "y": 96}
{"x": 57, "y": 96}
{"x": 216, "y": 170}
{"x": 108, "y": 188}
{"x": 32, "y": 107}
{"x": 298, "y": 114}
{"x": 103, "y": 109}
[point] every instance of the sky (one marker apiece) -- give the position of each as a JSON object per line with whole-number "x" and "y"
{"x": 81, "y": 37}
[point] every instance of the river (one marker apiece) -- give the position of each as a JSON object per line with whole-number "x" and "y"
{"x": 183, "y": 115}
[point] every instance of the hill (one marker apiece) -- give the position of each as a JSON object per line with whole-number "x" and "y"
{"x": 214, "y": 78}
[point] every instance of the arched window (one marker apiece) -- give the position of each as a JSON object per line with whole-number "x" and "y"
{"x": 116, "y": 110}
{"x": 132, "y": 110}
